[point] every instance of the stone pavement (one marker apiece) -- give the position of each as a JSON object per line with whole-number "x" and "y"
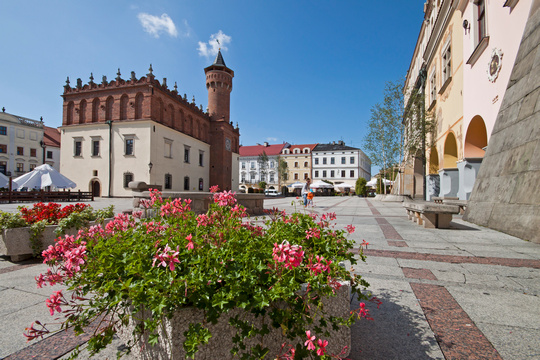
{"x": 466, "y": 292}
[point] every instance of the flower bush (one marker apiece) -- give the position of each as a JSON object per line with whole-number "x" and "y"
{"x": 215, "y": 261}
{"x": 40, "y": 215}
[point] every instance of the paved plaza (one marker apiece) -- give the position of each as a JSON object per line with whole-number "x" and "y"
{"x": 466, "y": 292}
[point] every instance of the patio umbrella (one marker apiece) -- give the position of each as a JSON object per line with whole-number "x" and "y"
{"x": 321, "y": 185}
{"x": 43, "y": 176}
{"x": 4, "y": 181}
{"x": 296, "y": 185}
{"x": 342, "y": 186}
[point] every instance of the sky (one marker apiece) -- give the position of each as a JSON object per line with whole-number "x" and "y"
{"x": 305, "y": 71}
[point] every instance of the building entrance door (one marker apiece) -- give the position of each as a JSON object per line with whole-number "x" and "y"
{"x": 96, "y": 188}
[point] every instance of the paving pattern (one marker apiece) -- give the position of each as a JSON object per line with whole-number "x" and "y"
{"x": 466, "y": 292}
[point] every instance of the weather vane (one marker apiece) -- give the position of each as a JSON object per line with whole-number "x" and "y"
{"x": 218, "y": 44}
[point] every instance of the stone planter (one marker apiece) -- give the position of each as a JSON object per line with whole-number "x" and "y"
{"x": 172, "y": 333}
{"x": 15, "y": 242}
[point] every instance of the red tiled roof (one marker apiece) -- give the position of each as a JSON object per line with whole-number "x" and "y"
{"x": 301, "y": 147}
{"x": 51, "y": 136}
{"x": 257, "y": 150}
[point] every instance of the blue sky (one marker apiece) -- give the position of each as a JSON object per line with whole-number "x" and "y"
{"x": 305, "y": 71}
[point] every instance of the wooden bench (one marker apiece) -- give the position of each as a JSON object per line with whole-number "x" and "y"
{"x": 431, "y": 215}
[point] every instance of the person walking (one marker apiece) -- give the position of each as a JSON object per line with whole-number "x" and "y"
{"x": 305, "y": 191}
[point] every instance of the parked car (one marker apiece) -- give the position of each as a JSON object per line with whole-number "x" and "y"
{"x": 271, "y": 192}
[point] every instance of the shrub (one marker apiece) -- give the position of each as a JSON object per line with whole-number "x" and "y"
{"x": 214, "y": 262}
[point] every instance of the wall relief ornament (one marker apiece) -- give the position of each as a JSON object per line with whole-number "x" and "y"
{"x": 494, "y": 65}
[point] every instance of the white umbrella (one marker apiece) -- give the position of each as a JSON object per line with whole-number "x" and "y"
{"x": 342, "y": 186}
{"x": 373, "y": 182}
{"x": 319, "y": 184}
{"x": 296, "y": 185}
{"x": 43, "y": 176}
{"x": 4, "y": 181}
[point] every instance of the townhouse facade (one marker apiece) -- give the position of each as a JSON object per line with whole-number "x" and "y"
{"x": 340, "y": 164}
{"x": 138, "y": 129}
{"x": 299, "y": 162}
{"x": 260, "y": 163}
{"x": 22, "y": 146}
{"x": 457, "y": 77}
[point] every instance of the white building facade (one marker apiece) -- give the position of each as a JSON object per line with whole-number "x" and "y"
{"x": 339, "y": 163}
{"x": 21, "y": 144}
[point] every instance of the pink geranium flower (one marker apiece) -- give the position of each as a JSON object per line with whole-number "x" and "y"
{"x": 309, "y": 341}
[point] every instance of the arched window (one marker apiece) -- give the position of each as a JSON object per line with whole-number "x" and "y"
{"x": 305, "y": 164}
{"x": 69, "y": 115}
{"x": 180, "y": 122}
{"x": 123, "y": 107}
{"x": 95, "y": 110}
{"x": 139, "y": 99}
{"x": 82, "y": 112}
{"x": 109, "y": 108}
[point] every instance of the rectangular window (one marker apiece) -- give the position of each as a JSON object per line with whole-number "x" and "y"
{"x": 343, "y": 160}
{"x": 332, "y": 160}
{"x": 316, "y": 161}
{"x": 295, "y": 176}
{"x": 252, "y": 165}
{"x": 95, "y": 147}
{"x": 20, "y": 167}
{"x": 352, "y": 160}
{"x": 352, "y": 173}
{"x": 129, "y": 147}
{"x": 128, "y": 177}
{"x": 33, "y": 152}
{"x": 186, "y": 183}
{"x": 481, "y": 20}
{"x": 49, "y": 155}
{"x": 243, "y": 165}
{"x": 186, "y": 154}
{"x": 272, "y": 177}
{"x": 201, "y": 158}
{"x": 305, "y": 176}
{"x": 77, "y": 148}
{"x": 332, "y": 173}
{"x": 271, "y": 164}
{"x": 343, "y": 173}
{"x": 433, "y": 87}
{"x": 447, "y": 64}
{"x": 3, "y": 148}
{"x": 316, "y": 173}
{"x": 32, "y": 167}
{"x": 168, "y": 181}
{"x": 3, "y": 130}
{"x": 324, "y": 161}
{"x": 324, "y": 173}
{"x": 20, "y": 150}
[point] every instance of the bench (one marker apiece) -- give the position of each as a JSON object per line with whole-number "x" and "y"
{"x": 431, "y": 215}
{"x": 452, "y": 201}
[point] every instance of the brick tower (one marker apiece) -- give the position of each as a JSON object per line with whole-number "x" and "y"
{"x": 224, "y": 138}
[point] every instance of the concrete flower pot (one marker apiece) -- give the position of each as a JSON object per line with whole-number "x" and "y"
{"x": 15, "y": 242}
{"x": 172, "y": 333}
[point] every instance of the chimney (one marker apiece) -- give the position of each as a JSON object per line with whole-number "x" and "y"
{"x": 266, "y": 144}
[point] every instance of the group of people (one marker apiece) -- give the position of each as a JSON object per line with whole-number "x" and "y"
{"x": 307, "y": 193}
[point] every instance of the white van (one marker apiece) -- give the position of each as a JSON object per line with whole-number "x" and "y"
{"x": 271, "y": 192}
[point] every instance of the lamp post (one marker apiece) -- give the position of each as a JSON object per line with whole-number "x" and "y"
{"x": 43, "y": 146}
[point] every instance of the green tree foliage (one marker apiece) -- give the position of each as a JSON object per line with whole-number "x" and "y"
{"x": 263, "y": 165}
{"x": 360, "y": 187}
{"x": 283, "y": 170}
{"x": 383, "y": 141}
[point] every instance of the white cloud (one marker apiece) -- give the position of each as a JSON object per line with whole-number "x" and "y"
{"x": 271, "y": 139}
{"x": 155, "y": 25}
{"x": 211, "y": 48}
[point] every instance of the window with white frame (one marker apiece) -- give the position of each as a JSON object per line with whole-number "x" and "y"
{"x": 128, "y": 177}
{"x": 316, "y": 161}
{"x": 316, "y": 173}
{"x": 77, "y": 147}
{"x": 352, "y": 160}
{"x": 201, "y": 158}
{"x": 433, "y": 86}
{"x": 446, "y": 63}
{"x": 95, "y": 147}
{"x": 129, "y": 146}
{"x": 186, "y": 154}
{"x": 168, "y": 181}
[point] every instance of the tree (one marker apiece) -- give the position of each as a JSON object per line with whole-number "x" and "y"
{"x": 383, "y": 141}
{"x": 263, "y": 165}
{"x": 360, "y": 186}
{"x": 283, "y": 170}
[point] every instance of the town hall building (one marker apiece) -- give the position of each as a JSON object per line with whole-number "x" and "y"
{"x": 138, "y": 129}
